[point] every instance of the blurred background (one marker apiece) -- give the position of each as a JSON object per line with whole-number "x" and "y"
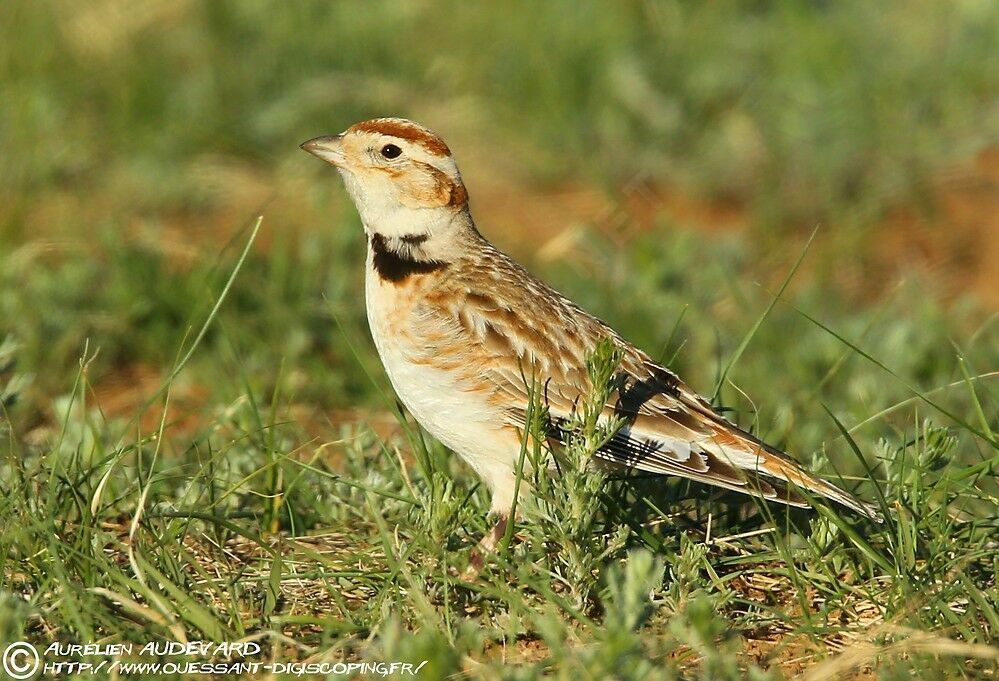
{"x": 662, "y": 162}
{"x": 669, "y": 165}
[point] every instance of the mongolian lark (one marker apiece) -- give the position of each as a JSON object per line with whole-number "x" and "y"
{"x": 458, "y": 325}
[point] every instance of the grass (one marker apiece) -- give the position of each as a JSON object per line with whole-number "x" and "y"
{"x": 197, "y": 440}
{"x": 326, "y": 540}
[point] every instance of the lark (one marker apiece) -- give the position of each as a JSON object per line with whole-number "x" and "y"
{"x": 459, "y": 326}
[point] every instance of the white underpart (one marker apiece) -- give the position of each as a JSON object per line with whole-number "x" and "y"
{"x": 459, "y": 419}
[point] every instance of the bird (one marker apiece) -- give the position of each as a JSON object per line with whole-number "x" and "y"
{"x": 458, "y": 325}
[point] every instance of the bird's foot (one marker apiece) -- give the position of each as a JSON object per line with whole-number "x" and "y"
{"x": 486, "y": 546}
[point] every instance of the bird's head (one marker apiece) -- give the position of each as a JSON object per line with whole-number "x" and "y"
{"x": 400, "y": 175}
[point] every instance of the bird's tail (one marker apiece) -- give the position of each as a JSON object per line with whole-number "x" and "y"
{"x": 767, "y": 468}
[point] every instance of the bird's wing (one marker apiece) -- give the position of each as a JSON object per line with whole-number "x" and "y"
{"x": 519, "y": 332}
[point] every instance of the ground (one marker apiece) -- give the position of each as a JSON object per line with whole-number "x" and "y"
{"x": 198, "y": 442}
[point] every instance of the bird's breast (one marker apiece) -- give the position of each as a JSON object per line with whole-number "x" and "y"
{"x": 446, "y": 400}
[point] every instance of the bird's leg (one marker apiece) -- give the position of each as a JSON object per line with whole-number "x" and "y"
{"x": 502, "y": 504}
{"x": 487, "y": 545}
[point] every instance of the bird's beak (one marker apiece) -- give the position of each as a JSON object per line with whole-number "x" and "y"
{"x": 328, "y": 148}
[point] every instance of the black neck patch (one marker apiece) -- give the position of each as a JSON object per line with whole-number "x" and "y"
{"x": 394, "y": 266}
{"x": 414, "y": 239}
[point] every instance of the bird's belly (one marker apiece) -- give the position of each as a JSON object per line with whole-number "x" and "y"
{"x": 450, "y": 407}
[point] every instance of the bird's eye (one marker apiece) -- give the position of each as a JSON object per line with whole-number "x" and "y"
{"x": 391, "y": 151}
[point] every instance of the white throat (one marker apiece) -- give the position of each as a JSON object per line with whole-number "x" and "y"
{"x": 382, "y": 213}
